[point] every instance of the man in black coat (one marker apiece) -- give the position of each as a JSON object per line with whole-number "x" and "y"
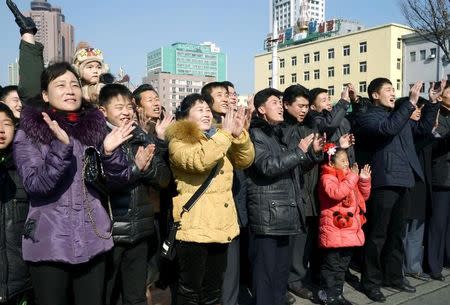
{"x": 395, "y": 166}
{"x": 275, "y": 204}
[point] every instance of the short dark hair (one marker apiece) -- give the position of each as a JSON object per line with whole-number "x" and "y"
{"x": 314, "y": 93}
{"x": 375, "y": 86}
{"x": 54, "y": 71}
{"x": 207, "y": 90}
{"x": 139, "y": 90}
{"x": 107, "y": 78}
{"x": 186, "y": 104}
{"x": 262, "y": 96}
{"x": 228, "y": 84}
{"x": 7, "y": 90}
{"x": 294, "y": 91}
{"x": 5, "y": 109}
{"x": 339, "y": 150}
{"x": 113, "y": 90}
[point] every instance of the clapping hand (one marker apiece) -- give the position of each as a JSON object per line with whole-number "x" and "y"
{"x": 117, "y": 136}
{"x": 355, "y": 168}
{"x": 434, "y": 94}
{"x": 347, "y": 140}
{"x": 318, "y": 143}
{"x": 306, "y": 142}
{"x": 366, "y": 172}
{"x": 234, "y": 121}
{"x": 161, "y": 126}
{"x": 59, "y": 133}
{"x": 144, "y": 157}
{"x": 414, "y": 93}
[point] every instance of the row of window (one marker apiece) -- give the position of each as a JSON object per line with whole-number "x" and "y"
{"x": 316, "y": 55}
{"x": 422, "y": 55}
{"x": 188, "y": 90}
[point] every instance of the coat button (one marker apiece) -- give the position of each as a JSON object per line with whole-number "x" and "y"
{"x": 222, "y": 172}
{"x": 226, "y": 205}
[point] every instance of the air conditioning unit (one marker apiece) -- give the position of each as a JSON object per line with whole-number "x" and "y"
{"x": 432, "y": 56}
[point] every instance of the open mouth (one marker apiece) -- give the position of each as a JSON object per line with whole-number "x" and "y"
{"x": 70, "y": 101}
{"x": 2, "y": 140}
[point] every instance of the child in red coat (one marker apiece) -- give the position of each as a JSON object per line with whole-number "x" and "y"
{"x": 343, "y": 191}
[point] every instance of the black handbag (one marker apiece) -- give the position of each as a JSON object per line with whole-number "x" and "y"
{"x": 94, "y": 177}
{"x": 168, "y": 246}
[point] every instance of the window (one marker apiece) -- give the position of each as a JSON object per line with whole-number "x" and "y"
{"x": 281, "y": 63}
{"x": 363, "y": 66}
{"x": 346, "y": 69}
{"x": 330, "y": 53}
{"x": 399, "y": 63}
{"x": 433, "y": 51}
{"x": 270, "y": 81}
{"x": 294, "y": 77}
{"x": 362, "y": 86}
{"x": 423, "y": 54}
{"x": 330, "y": 90}
{"x": 306, "y": 58}
{"x": 316, "y": 74}
{"x": 399, "y": 44}
{"x": 306, "y": 75}
{"x": 398, "y": 84}
{"x": 294, "y": 60}
{"x": 363, "y": 47}
{"x": 330, "y": 71}
{"x": 346, "y": 50}
{"x": 270, "y": 65}
{"x": 316, "y": 56}
{"x": 412, "y": 56}
{"x": 282, "y": 80}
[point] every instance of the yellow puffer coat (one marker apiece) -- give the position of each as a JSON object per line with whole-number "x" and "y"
{"x": 213, "y": 219}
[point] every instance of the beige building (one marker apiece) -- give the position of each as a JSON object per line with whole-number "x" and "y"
{"x": 56, "y": 35}
{"x": 330, "y": 63}
{"x": 173, "y": 88}
{"x": 13, "y": 73}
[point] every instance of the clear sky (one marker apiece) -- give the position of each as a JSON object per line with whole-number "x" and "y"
{"x": 127, "y": 30}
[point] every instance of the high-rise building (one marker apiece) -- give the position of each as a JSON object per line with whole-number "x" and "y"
{"x": 286, "y": 13}
{"x": 13, "y": 73}
{"x": 203, "y": 60}
{"x": 54, "y": 33}
{"x": 173, "y": 88}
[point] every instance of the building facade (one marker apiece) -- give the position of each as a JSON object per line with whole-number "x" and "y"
{"x": 13, "y": 73}
{"x": 204, "y": 60}
{"x": 286, "y": 13}
{"x": 330, "y": 63}
{"x": 173, "y": 88}
{"x": 423, "y": 61}
{"x": 54, "y": 33}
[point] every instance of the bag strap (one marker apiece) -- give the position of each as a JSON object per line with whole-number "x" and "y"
{"x": 191, "y": 202}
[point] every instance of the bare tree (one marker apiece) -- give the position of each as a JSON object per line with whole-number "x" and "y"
{"x": 430, "y": 19}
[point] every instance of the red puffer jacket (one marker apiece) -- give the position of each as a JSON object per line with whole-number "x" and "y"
{"x": 342, "y": 196}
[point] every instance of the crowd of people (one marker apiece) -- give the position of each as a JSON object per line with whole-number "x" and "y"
{"x": 282, "y": 196}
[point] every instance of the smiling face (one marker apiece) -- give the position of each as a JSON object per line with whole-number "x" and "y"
{"x": 91, "y": 72}
{"x": 6, "y": 130}
{"x": 64, "y": 93}
{"x": 298, "y": 109}
{"x": 12, "y": 100}
{"x": 272, "y": 110}
{"x": 151, "y": 104}
{"x": 322, "y": 102}
{"x": 340, "y": 161}
{"x": 118, "y": 111}
{"x": 220, "y": 100}
{"x": 201, "y": 114}
{"x": 385, "y": 96}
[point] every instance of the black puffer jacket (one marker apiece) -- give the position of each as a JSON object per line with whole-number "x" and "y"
{"x": 14, "y": 276}
{"x": 132, "y": 207}
{"x": 274, "y": 196}
{"x": 441, "y": 151}
{"x": 293, "y": 132}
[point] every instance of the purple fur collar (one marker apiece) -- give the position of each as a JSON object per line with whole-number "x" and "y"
{"x": 90, "y": 129}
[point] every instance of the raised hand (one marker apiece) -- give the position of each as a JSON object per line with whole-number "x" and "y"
{"x": 161, "y": 126}
{"x": 434, "y": 94}
{"x": 318, "y": 143}
{"x": 26, "y": 24}
{"x": 366, "y": 172}
{"x": 239, "y": 122}
{"x": 346, "y": 140}
{"x": 305, "y": 143}
{"x": 144, "y": 157}
{"x": 117, "y": 136}
{"x": 345, "y": 95}
{"x": 355, "y": 168}
{"x": 414, "y": 93}
{"x": 59, "y": 133}
{"x": 353, "y": 94}
{"x": 415, "y": 116}
{"x": 228, "y": 123}
{"x": 142, "y": 118}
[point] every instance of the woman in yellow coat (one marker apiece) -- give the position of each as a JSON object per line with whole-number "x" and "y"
{"x": 195, "y": 147}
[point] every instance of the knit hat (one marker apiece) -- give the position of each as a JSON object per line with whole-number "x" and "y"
{"x": 84, "y": 55}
